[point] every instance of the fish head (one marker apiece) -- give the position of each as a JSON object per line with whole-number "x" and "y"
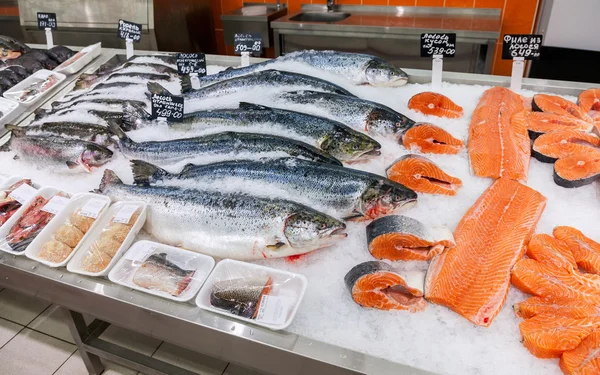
{"x": 384, "y": 197}
{"x": 312, "y": 229}
{"x": 387, "y": 122}
{"x": 380, "y": 73}
{"x": 350, "y": 146}
{"x": 94, "y": 156}
{"x": 8, "y": 54}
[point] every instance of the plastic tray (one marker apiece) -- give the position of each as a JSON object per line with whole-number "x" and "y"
{"x": 123, "y": 272}
{"x": 74, "y": 264}
{"x": 46, "y": 192}
{"x": 14, "y": 92}
{"x": 33, "y": 250}
{"x": 7, "y": 106}
{"x": 285, "y": 284}
{"x": 75, "y": 64}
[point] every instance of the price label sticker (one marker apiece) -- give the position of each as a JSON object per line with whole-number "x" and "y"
{"x": 188, "y": 63}
{"x": 92, "y": 208}
{"x": 167, "y": 106}
{"x": 56, "y": 204}
{"x": 274, "y": 310}
{"x": 247, "y": 43}
{"x": 443, "y": 44}
{"x": 23, "y": 194}
{"x": 129, "y": 30}
{"x": 125, "y": 213}
{"x": 527, "y": 46}
{"x": 140, "y": 253}
{"x": 46, "y": 20}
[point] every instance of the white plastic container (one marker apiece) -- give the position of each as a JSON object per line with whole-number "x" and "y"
{"x": 75, "y": 263}
{"x": 10, "y": 181}
{"x": 7, "y": 106}
{"x": 46, "y": 235}
{"x": 288, "y": 289}
{"x": 76, "y": 62}
{"x": 45, "y": 192}
{"x": 15, "y": 92}
{"x": 124, "y": 271}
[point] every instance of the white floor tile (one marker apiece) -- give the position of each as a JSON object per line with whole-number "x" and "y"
{"x": 239, "y": 370}
{"x": 130, "y": 340}
{"x": 8, "y": 330}
{"x": 52, "y": 322}
{"x": 190, "y": 360}
{"x": 75, "y": 366}
{"x": 20, "y": 308}
{"x": 33, "y": 353}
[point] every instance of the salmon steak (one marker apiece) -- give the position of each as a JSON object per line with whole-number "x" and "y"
{"x": 548, "y": 336}
{"x": 422, "y": 175}
{"x": 473, "y": 277}
{"x": 584, "y": 359}
{"x": 547, "y": 249}
{"x": 539, "y": 123}
{"x": 399, "y": 237}
{"x": 376, "y": 285}
{"x": 554, "y": 306}
{"x": 577, "y": 170}
{"x": 431, "y": 139}
{"x": 589, "y": 100}
{"x": 558, "y": 106}
{"x": 434, "y": 104}
{"x": 549, "y": 147}
{"x": 498, "y": 143}
{"x": 586, "y": 251}
{"x": 548, "y": 281}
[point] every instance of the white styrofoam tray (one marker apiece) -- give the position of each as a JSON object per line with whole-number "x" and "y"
{"x": 17, "y": 90}
{"x": 34, "y": 248}
{"x": 74, "y": 264}
{"x": 285, "y": 284}
{"x": 45, "y": 192}
{"x": 7, "y": 106}
{"x": 76, "y": 62}
{"x": 123, "y": 272}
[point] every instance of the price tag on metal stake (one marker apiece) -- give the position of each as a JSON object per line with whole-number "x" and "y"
{"x": 129, "y": 31}
{"x": 518, "y": 48}
{"x": 438, "y": 46}
{"x": 168, "y": 107}
{"x": 46, "y": 21}
{"x": 247, "y": 43}
{"x": 190, "y": 63}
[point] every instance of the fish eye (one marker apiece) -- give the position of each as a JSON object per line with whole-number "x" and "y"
{"x": 322, "y": 226}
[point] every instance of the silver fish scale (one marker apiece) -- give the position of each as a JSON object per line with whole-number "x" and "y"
{"x": 37, "y": 149}
{"x": 398, "y": 224}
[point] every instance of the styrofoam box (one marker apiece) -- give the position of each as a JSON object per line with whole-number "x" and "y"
{"x": 15, "y": 92}
{"x": 34, "y": 248}
{"x": 7, "y": 106}
{"x": 285, "y": 284}
{"x": 47, "y": 193}
{"x": 74, "y": 264}
{"x": 123, "y": 272}
{"x": 71, "y": 67}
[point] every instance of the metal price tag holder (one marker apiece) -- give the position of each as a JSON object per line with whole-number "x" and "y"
{"x": 516, "y": 77}
{"x": 436, "y": 71}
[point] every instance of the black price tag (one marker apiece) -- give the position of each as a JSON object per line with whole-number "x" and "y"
{"x": 438, "y": 44}
{"x": 191, "y": 63}
{"x": 521, "y": 45}
{"x": 247, "y": 43}
{"x": 167, "y": 106}
{"x": 46, "y": 20}
{"x": 130, "y": 30}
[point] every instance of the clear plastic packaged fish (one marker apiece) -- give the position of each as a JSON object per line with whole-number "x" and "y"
{"x": 162, "y": 270}
{"x": 76, "y": 62}
{"x": 113, "y": 233}
{"x": 34, "y": 87}
{"x": 28, "y": 222}
{"x": 11, "y": 200}
{"x": 61, "y": 238}
{"x": 256, "y": 294}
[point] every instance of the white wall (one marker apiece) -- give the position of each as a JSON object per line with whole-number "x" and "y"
{"x": 574, "y": 24}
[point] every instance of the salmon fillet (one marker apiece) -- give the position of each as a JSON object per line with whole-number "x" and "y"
{"x": 422, "y": 175}
{"x": 554, "y": 306}
{"x": 547, "y": 249}
{"x": 539, "y": 123}
{"x": 562, "y": 143}
{"x": 584, "y": 359}
{"x": 589, "y": 100}
{"x": 498, "y": 140}
{"x": 473, "y": 277}
{"x": 431, "y": 139}
{"x": 432, "y": 103}
{"x": 558, "y": 106}
{"x": 586, "y": 252}
{"x": 577, "y": 170}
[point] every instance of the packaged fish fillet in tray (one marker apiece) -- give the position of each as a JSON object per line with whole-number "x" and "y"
{"x": 63, "y": 236}
{"x": 162, "y": 270}
{"x": 28, "y": 222}
{"x": 112, "y": 234}
{"x": 11, "y": 199}
{"x": 256, "y": 294}
{"x": 76, "y": 62}
{"x": 30, "y": 90}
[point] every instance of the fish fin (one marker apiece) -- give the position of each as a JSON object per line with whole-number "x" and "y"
{"x": 355, "y": 216}
{"x": 17, "y": 131}
{"x": 40, "y": 113}
{"x": 71, "y": 164}
{"x": 186, "y": 83}
{"x": 146, "y": 173}
{"x": 276, "y": 245}
{"x": 131, "y": 113}
{"x": 246, "y": 105}
{"x": 187, "y": 167}
{"x": 116, "y": 129}
{"x": 109, "y": 178}
{"x": 158, "y": 89}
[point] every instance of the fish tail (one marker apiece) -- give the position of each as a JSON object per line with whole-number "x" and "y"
{"x": 158, "y": 89}
{"x": 145, "y": 173}
{"x": 109, "y": 178}
{"x": 131, "y": 113}
{"x": 186, "y": 83}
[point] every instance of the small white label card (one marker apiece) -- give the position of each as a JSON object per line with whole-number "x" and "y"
{"x": 56, "y": 204}
{"x": 125, "y": 213}
{"x": 23, "y": 193}
{"x": 92, "y": 208}
{"x": 274, "y": 310}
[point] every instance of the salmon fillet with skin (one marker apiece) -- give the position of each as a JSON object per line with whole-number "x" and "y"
{"x": 558, "y": 106}
{"x": 498, "y": 141}
{"x": 549, "y": 147}
{"x": 586, "y": 251}
{"x": 589, "y": 100}
{"x": 554, "y": 306}
{"x": 434, "y": 104}
{"x": 431, "y": 139}
{"x": 584, "y": 359}
{"x": 547, "y": 249}
{"x": 539, "y": 123}
{"x": 473, "y": 277}
{"x": 577, "y": 170}
{"x": 423, "y": 176}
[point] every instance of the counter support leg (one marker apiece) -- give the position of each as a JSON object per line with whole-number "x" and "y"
{"x": 79, "y": 331}
{"x": 277, "y": 43}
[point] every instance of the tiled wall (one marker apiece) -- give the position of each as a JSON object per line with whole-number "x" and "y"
{"x": 518, "y": 17}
